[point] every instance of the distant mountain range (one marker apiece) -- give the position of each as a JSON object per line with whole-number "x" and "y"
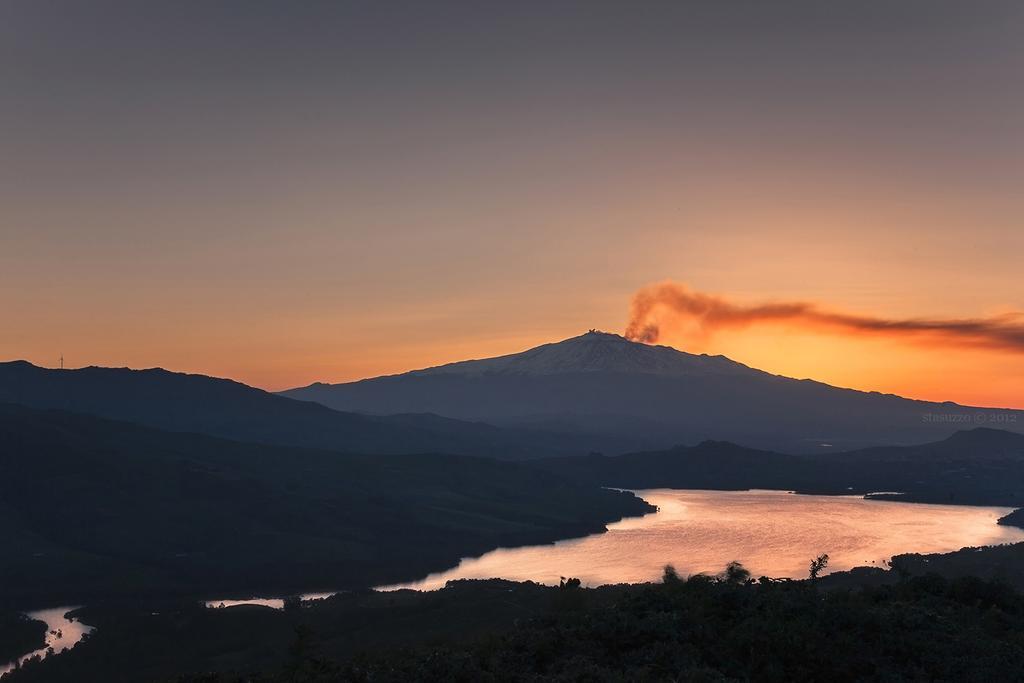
{"x": 600, "y": 383}
{"x": 979, "y": 466}
{"x": 224, "y": 408}
{"x": 594, "y": 393}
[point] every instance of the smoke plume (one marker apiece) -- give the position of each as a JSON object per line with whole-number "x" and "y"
{"x": 674, "y": 306}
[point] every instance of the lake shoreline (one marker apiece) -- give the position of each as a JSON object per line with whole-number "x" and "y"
{"x": 291, "y": 588}
{"x": 977, "y": 526}
{"x": 846, "y": 578}
{"x": 258, "y": 598}
{"x": 397, "y": 571}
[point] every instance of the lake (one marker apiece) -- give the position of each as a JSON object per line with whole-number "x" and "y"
{"x": 773, "y": 533}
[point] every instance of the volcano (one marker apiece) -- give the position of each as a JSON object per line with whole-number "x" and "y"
{"x": 601, "y": 383}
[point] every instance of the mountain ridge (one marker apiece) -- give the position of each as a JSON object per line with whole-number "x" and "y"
{"x": 591, "y": 381}
{"x": 449, "y": 368}
{"x": 195, "y": 403}
{"x": 979, "y": 466}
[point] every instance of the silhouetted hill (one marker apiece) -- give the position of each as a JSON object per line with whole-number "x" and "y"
{"x": 1015, "y": 518}
{"x": 977, "y": 444}
{"x": 221, "y": 407}
{"x": 96, "y": 507}
{"x": 606, "y": 384}
{"x": 19, "y": 635}
{"x": 708, "y": 465}
{"x": 979, "y": 466}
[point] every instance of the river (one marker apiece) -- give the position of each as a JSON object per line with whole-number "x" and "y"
{"x": 62, "y": 633}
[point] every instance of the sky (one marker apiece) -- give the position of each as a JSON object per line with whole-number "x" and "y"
{"x": 285, "y": 192}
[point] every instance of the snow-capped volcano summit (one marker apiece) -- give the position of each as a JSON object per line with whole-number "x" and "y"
{"x": 600, "y": 383}
{"x": 594, "y": 351}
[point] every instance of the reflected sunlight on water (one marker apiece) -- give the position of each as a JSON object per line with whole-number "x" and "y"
{"x": 62, "y": 633}
{"x": 773, "y": 533}
{"x": 273, "y": 603}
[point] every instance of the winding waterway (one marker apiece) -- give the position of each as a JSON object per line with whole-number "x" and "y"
{"x": 62, "y": 633}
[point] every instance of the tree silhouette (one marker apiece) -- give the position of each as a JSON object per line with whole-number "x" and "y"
{"x": 736, "y": 573}
{"x": 818, "y": 565}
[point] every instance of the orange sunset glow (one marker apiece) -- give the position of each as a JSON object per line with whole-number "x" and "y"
{"x": 521, "y": 341}
{"x": 475, "y": 226}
